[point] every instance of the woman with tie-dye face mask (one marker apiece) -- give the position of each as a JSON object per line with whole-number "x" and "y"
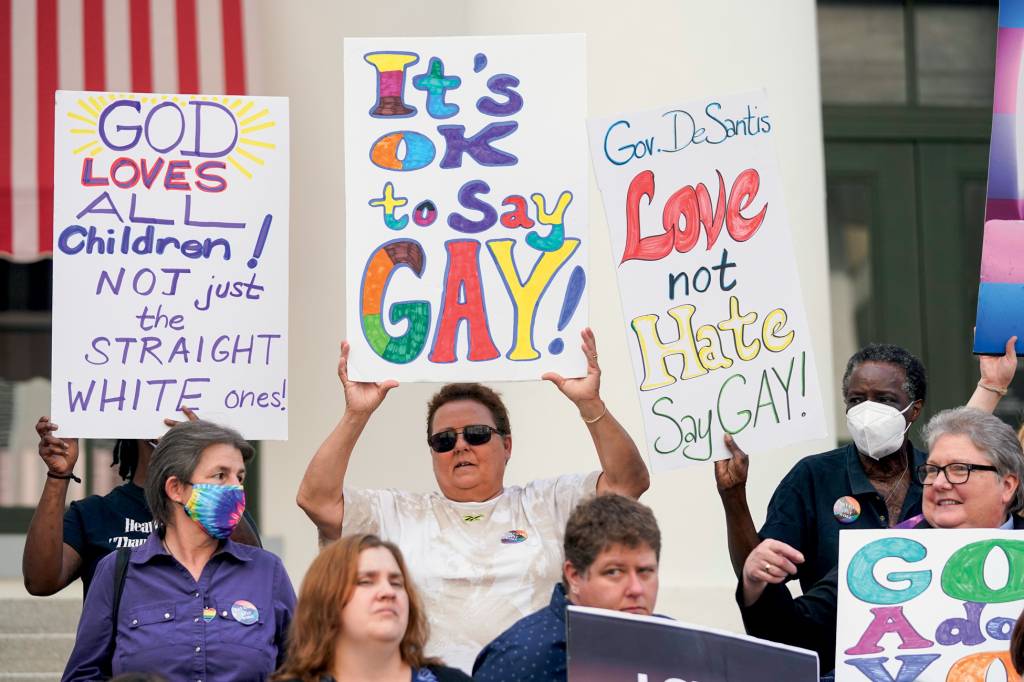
{"x": 218, "y": 610}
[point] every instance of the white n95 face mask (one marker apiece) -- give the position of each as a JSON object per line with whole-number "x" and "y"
{"x": 877, "y": 429}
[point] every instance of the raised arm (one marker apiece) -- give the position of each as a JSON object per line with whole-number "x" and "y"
{"x": 622, "y": 466}
{"x": 996, "y": 374}
{"x": 321, "y": 491}
{"x": 48, "y": 565}
{"x": 731, "y": 479}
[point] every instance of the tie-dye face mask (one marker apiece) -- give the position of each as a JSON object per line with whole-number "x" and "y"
{"x": 217, "y": 508}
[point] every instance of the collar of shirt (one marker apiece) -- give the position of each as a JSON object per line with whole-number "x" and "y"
{"x": 559, "y": 602}
{"x": 859, "y": 483}
{"x": 153, "y": 547}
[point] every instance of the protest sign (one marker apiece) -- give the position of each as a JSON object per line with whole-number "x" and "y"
{"x": 707, "y": 279}
{"x": 170, "y": 263}
{"x": 928, "y": 604}
{"x": 1001, "y": 290}
{"x": 612, "y": 646}
{"x": 466, "y": 207}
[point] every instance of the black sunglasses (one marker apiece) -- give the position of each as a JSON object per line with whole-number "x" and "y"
{"x": 474, "y": 434}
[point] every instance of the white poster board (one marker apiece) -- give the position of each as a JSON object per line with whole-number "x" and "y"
{"x": 170, "y": 263}
{"x": 466, "y": 207}
{"x": 928, "y": 604}
{"x": 711, "y": 301}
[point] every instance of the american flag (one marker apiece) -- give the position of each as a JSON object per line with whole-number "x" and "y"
{"x": 170, "y": 46}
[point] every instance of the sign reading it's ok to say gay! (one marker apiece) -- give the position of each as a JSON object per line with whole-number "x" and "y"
{"x": 466, "y": 216}
{"x": 170, "y": 263}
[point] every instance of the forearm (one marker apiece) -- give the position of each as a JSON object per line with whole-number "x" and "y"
{"x": 321, "y": 491}
{"x": 621, "y": 462}
{"x": 740, "y": 531}
{"x": 985, "y": 399}
{"x": 42, "y": 563}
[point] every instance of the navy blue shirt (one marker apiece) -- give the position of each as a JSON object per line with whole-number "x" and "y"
{"x": 96, "y": 526}
{"x": 801, "y": 510}
{"x": 533, "y": 649}
{"x": 228, "y": 625}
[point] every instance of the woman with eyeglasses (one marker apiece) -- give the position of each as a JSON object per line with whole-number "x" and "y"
{"x": 360, "y": 617}
{"x": 483, "y": 553}
{"x": 972, "y": 479}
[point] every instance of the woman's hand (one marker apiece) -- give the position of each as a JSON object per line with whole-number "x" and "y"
{"x": 585, "y": 391}
{"x": 361, "y": 397}
{"x": 59, "y": 454}
{"x": 997, "y": 370}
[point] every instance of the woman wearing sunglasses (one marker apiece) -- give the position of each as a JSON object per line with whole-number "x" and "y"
{"x": 483, "y": 554}
{"x": 972, "y": 479}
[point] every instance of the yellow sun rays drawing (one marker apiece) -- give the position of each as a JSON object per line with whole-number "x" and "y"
{"x": 247, "y": 151}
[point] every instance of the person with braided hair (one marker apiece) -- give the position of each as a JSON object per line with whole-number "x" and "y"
{"x": 64, "y": 545}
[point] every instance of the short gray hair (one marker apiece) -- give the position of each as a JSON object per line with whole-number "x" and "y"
{"x": 178, "y": 455}
{"x": 989, "y": 434}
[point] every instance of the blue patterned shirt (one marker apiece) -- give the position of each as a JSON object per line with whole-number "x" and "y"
{"x": 533, "y": 649}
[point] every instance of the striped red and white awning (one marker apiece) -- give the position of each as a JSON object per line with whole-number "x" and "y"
{"x": 171, "y": 46}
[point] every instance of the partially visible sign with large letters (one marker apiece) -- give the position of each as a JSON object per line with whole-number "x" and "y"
{"x": 928, "y": 604}
{"x": 170, "y": 264}
{"x": 611, "y": 646}
{"x": 707, "y": 278}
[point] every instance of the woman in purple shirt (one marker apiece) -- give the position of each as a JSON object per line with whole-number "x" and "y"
{"x": 190, "y": 603}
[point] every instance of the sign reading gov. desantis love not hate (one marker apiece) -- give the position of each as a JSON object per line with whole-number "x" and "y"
{"x": 170, "y": 272}
{"x": 466, "y": 207}
{"x": 928, "y": 604}
{"x": 711, "y": 301}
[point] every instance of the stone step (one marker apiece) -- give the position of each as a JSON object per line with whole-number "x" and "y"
{"x": 39, "y": 615}
{"x": 29, "y": 677}
{"x": 35, "y": 653}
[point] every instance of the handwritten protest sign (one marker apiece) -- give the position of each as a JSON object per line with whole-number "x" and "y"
{"x": 613, "y": 646}
{"x": 928, "y": 604}
{"x": 170, "y": 272}
{"x": 466, "y": 207}
{"x": 707, "y": 278}
{"x": 1001, "y": 291}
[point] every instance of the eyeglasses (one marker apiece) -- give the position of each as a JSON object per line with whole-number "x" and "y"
{"x": 474, "y": 434}
{"x": 955, "y": 472}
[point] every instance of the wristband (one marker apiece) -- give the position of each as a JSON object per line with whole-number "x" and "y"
{"x": 994, "y": 389}
{"x": 64, "y": 477}
{"x": 591, "y": 421}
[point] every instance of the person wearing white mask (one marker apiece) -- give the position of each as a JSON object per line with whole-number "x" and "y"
{"x": 867, "y": 484}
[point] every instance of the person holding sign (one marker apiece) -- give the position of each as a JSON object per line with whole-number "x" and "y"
{"x": 971, "y": 479}
{"x": 612, "y": 546}
{"x": 189, "y": 602}
{"x": 359, "y": 616}
{"x": 483, "y": 553}
{"x": 62, "y": 546}
{"x": 867, "y": 484}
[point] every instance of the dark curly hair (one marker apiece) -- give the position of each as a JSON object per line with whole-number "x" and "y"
{"x": 915, "y": 381}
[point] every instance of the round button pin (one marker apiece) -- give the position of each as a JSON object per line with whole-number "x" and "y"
{"x": 245, "y": 612}
{"x": 846, "y": 509}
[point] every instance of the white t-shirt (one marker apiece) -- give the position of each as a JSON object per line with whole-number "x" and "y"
{"x": 479, "y": 566}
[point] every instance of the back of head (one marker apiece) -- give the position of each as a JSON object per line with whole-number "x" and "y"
{"x": 479, "y": 393}
{"x": 605, "y": 520}
{"x": 178, "y": 454}
{"x": 316, "y": 623}
{"x": 916, "y": 382}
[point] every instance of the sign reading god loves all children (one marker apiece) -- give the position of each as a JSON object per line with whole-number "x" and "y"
{"x": 466, "y": 207}
{"x": 170, "y": 277}
{"x": 928, "y": 604}
{"x": 709, "y": 289}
